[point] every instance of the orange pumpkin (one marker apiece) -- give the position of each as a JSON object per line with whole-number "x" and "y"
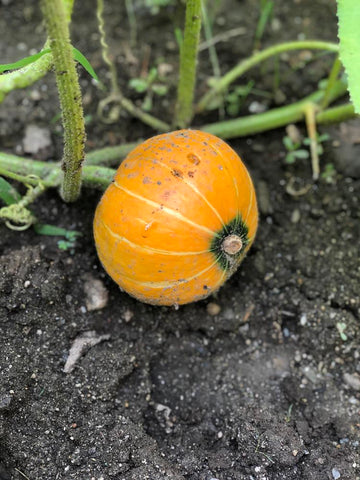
{"x": 178, "y": 218}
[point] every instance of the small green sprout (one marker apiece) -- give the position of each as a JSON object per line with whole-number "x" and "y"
{"x": 294, "y": 151}
{"x": 70, "y": 236}
{"x": 341, "y": 329}
{"x": 329, "y": 173}
{"x": 151, "y": 85}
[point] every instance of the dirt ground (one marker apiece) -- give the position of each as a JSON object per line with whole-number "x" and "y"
{"x": 266, "y": 389}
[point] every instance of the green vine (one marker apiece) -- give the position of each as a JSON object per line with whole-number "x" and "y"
{"x": 188, "y": 58}
{"x": 256, "y": 59}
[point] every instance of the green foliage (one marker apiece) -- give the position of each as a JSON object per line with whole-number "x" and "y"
{"x": 294, "y": 151}
{"x": 235, "y": 97}
{"x": 319, "y": 139}
{"x": 8, "y": 194}
{"x": 329, "y": 173}
{"x": 70, "y": 236}
{"x": 24, "y": 61}
{"x": 266, "y": 8}
{"x": 152, "y": 84}
{"x": 349, "y": 35}
{"x": 155, "y": 5}
{"x": 78, "y": 56}
{"x": 341, "y": 329}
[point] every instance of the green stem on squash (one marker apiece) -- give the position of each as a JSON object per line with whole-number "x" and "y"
{"x": 26, "y": 76}
{"x": 70, "y": 97}
{"x": 188, "y": 60}
{"x": 257, "y": 58}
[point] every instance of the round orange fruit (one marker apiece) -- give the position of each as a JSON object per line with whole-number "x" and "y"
{"x": 178, "y": 218}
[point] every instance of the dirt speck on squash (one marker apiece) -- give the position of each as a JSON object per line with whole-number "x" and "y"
{"x": 261, "y": 382}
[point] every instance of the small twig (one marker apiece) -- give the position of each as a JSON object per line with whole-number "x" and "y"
{"x": 22, "y": 474}
{"x": 310, "y": 119}
{"x": 222, "y": 37}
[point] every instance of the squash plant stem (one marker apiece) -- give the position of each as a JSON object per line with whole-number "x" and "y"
{"x": 188, "y": 60}
{"x": 68, "y": 86}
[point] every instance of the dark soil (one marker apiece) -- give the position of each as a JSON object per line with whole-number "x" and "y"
{"x": 266, "y": 389}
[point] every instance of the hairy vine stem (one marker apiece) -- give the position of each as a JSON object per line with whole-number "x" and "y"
{"x": 70, "y": 97}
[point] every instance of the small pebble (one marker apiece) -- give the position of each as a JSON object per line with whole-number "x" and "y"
{"x": 128, "y": 315}
{"x": 295, "y": 216}
{"x": 96, "y": 294}
{"x": 257, "y": 107}
{"x": 353, "y": 380}
{"x": 5, "y": 401}
{"x": 37, "y": 141}
{"x": 335, "y": 473}
{"x": 303, "y": 320}
{"x": 213, "y": 308}
{"x": 286, "y": 332}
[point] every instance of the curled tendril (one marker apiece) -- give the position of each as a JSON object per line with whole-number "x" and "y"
{"x": 17, "y": 217}
{"x": 114, "y": 111}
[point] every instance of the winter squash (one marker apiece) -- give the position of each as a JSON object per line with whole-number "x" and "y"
{"x": 178, "y": 218}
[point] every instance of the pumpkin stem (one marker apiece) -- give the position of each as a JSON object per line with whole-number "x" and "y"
{"x": 232, "y": 244}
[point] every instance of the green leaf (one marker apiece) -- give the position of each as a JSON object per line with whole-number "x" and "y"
{"x": 55, "y": 231}
{"x": 139, "y": 84}
{"x": 8, "y": 194}
{"x": 159, "y": 89}
{"x": 79, "y": 57}
{"x": 303, "y": 154}
{"x": 65, "y": 245}
{"x": 24, "y": 61}
{"x": 266, "y": 10}
{"x": 290, "y": 158}
{"x": 288, "y": 143}
{"x": 349, "y": 35}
